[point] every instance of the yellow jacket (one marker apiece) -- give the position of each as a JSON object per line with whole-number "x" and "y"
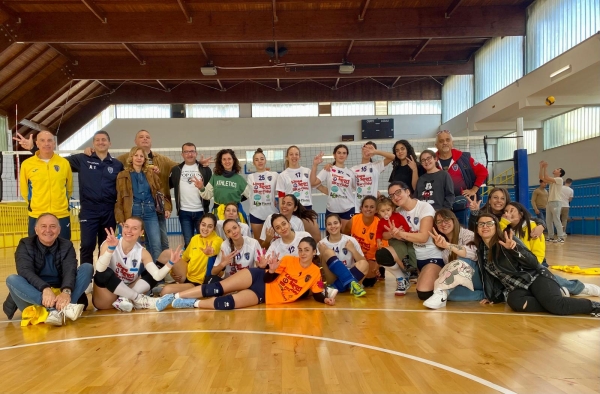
{"x": 536, "y": 246}
{"x": 46, "y": 187}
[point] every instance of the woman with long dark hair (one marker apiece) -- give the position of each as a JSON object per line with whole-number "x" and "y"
{"x": 509, "y": 267}
{"x": 406, "y": 167}
{"x": 368, "y": 171}
{"x": 295, "y": 213}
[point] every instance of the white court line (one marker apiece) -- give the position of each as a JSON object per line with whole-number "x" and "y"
{"x": 330, "y": 309}
{"x": 357, "y": 344}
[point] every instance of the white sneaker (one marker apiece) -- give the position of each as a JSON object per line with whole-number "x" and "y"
{"x": 123, "y": 304}
{"x": 90, "y": 288}
{"x": 331, "y": 292}
{"x": 402, "y": 286}
{"x": 55, "y": 318}
{"x": 591, "y": 290}
{"x": 565, "y": 292}
{"x": 145, "y": 302}
{"x": 73, "y": 311}
{"x": 437, "y": 300}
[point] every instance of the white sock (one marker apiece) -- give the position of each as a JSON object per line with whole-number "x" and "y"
{"x": 125, "y": 291}
{"x": 177, "y": 296}
{"x": 196, "y": 304}
{"x": 141, "y": 286}
{"x": 398, "y": 272}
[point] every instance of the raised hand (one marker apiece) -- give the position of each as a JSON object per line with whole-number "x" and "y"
{"x": 270, "y": 233}
{"x": 208, "y": 250}
{"x": 227, "y": 258}
{"x": 261, "y": 260}
{"x": 26, "y": 143}
{"x": 474, "y": 203}
{"x": 510, "y": 243}
{"x": 198, "y": 182}
{"x": 318, "y": 159}
{"x": 412, "y": 164}
{"x": 438, "y": 239}
{"x": 368, "y": 150}
{"x": 274, "y": 262}
{"x": 176, "y": 254}
{"x": 205, "y": 162}
{"x": 111, "y": 239}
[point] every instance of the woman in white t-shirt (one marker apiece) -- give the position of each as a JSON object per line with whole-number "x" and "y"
{"x": 294, "y": 212}
{"x": 262, "y": 200}
{"x": 367, "y": 172}
{"x": 419, "y": 216}
{"x": 238, "y": 252}
{"x": 231, "y": 212}
{"x": 289, "y": 239}
{"x": 340, "y": 183}
{"x": 295, "y": 179}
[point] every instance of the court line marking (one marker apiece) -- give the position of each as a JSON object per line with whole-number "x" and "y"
{"x": 465, "y": 375}
{"x": 330, "y": 309}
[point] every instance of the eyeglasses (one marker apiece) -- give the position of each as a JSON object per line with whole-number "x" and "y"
{"x": 188, "y": 152}
{"x": 397, "y": 193}
{"x": 426, "y": 160}
{"x": 491, "y": 223}
{"x": 444, "y": 220}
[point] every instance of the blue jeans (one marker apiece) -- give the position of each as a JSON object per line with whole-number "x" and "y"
{"x": 65, "y": 227}
{"x": 460, "y": 293}
{"x": 542, "y": 214}
{"x": 164, "y": 238}
{"x": 148, "y": 214}
{"x": 25, "y": 294}
{"x": 190, "y": 223}
{"x": 573, "y": 285}
{"x": 463, "y": 217}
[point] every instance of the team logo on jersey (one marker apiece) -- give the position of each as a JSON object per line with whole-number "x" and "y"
{"x": 455, "y": 167}
{"x": 134, "y": 262}
{"x": 110, "y": 170}
{"x": 247, "y": 256}
{"x": 371, "y": 169}
{"x": 306, "y": 175}
{"x": 307, "y": 278}
{"x": 57, "y": 168}
{"x": 371, "y": 235}
{"x": 345, "y": 250}
{"x": 416, "y": 221}
{"x": 270, "y": 178}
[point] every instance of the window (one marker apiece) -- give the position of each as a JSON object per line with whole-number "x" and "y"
{"x": 86, "y": 132}
{"x": 507, "y": 146}
{"x": 270, "y": 155}
{"x": 416, "y": 107}
{"x": 497, "y": 64}
{"x": 143, "y": 111}
{"x": 381, "y": 108}
{"x": 457, "y": 96}
{"x": 212, "y": 110}
{"x": 5, "y": 137}
{"x": 287, "y": 110}
{"x": 554, "y": 26}
{"x": 355, "y": 108}
{"x": 581, "y": 124}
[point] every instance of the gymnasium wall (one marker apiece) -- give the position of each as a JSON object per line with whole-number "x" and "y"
{"x": 260, "y": 131}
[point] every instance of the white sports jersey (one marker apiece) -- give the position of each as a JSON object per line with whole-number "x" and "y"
{"x": 262, "y": 200}
{"x": 295, "y": 222}
{"x": 244, "y": 259}
{"x": 367, "y": 180}
{"x": 342, "y": 253}
{"x": 127, "y": 266}
{"x": 219, "y": 229}
{"x": 296, "y": 181}
{"x": 428, "y": 250}
{"x": 291, "y": 249}
{"x": 341, "y": 184}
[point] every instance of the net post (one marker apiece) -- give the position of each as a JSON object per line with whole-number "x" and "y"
{"x": 521, "y": 177}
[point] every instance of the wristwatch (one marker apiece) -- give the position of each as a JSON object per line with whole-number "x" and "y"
{"x": 68, "y": 291}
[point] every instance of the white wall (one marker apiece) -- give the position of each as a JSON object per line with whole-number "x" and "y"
{"x": 170, "y": 133}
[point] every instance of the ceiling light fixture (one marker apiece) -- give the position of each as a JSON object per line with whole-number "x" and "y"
{"x": 560, "y": 71}
{"x": 208, "y": 70}
{"x": 346, "y": 68}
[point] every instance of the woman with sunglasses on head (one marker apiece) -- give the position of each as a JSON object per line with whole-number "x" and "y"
{"x": 295, "y": 179}
{"x": 456, "y": 243}
{"x": 406, "y": 167}
{"x": 435, "y": 186}
{"x": 419, "y": 216}
{"x": 340, "y": 183}
{"x": 226, "y": 185}
{"x": 263, "y": 199}
{"x": 367, "y": 172}
{"x": 508, "y": 267}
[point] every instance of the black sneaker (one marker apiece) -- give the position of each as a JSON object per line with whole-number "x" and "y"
{"x": 9, "y": 307}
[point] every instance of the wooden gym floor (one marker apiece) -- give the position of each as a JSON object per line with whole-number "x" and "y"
{"x": 376, "y": 344}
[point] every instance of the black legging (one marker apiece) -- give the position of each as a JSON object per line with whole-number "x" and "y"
{"x": 545, "y": 295}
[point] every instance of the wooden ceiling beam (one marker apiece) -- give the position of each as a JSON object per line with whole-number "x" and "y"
{"x": 361, "y": 16}
{"x": 452, "y": 7}
{"x": 22, "y": 49}
{"x": 61, "y": 101}
{"x": 186, "y": 11}
{"x": 84, "y": 114}
{"x": 95, "y": 10}
{"x": 26, "y": 65}
{"x": 73, "y": 101}
{"x": 419, "y": 49}
{"x": 104, "y": 85}
{"x": 183, "y": 68}
{"x": 65, "y": 53}
{"x": 275, "y": 19}
{"x": 83, "y": 101}
{"x": 325, "y": 25}
{"x": 32, "y": 76}
{"x": 134, "y": 53}
{"x": 10, "y": 12}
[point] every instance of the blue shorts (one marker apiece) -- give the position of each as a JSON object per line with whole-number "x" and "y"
{"x": 308, "y": 206}
{"x": 422, "y": 263}
{"x": 255, "y": 220}
{"x": 344, "y": 215}
{"x": 258, "y": 283}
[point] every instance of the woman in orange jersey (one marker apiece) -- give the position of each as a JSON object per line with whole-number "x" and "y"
{"x": 281, "y": 282}
{"x": 363, "y": 227}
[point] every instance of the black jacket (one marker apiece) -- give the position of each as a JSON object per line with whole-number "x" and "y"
{"x": 30, "y": 258}
{"x": 517, "y": 262}
{"x": 175, "y": 176}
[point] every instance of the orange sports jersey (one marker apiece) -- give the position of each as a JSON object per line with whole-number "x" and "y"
{"x": 365, "y": 235}
{"x": 293, "y": 281}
